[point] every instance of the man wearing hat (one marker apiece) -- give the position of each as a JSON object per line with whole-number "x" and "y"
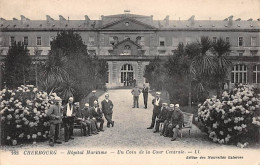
{"x": 168, "y": 120}
{"x": 107, "y": 109}
{"x": 136, "y": 92}
{"x": 98, "y": 116}
{"x": 177, "y": 120}
{"x": 92, "y": 98}
{"x": 89, "y": 119}
{"x": 157, "y": 105}
{"x": 54, "y": 112}
{"x": 161, "y": 117}
{"x": 68, "y": 119}
{"x": 79, "y": 118}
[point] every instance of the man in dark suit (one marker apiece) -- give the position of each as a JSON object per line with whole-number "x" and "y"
{"x": 93, "y": 98}
{"x": 145, "y": 95}
{"x": 167, "y": 121}
{"x": 107, "y": 109}
{"x": 97, "y": 115}
{"x": 79, "y": 118}
{"x": 55, "y": 115}
{"x": 161, "y": 117}
{"x": 68, "y": 119}
{"x": 177, "y": 120}
{"x": 157, "y": 105}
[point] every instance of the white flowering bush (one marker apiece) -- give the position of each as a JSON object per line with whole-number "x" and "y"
{"x": 24, "y": 114}
{"x": 234, "y": 118}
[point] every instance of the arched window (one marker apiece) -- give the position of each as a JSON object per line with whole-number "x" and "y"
{"x": 256, "y": 74}
{"x": 239, "y": 74}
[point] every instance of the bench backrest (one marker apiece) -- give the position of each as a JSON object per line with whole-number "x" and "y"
{"x": 188, "y": 117}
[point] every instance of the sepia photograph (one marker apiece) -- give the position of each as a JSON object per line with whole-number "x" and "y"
{"x": 117, "y": 82}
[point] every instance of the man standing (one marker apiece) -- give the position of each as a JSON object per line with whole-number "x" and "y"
{"x": 136, "y": 92}
{"x": 161, "y": 117}
{"x": 98, "y": 116}
{"x": 55, "y": 115}
{"x": 177, "y": 120}
{"x": 93, "y": 98}
{"x": 157, "y": 105}
{"x": 167, "y": 121}
{"x": 107, "y": 109}
{"x": 69, "y": 116}
{"x": 145, "y": 95}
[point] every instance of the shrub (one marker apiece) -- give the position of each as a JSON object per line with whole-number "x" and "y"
{"x": 24, "y": 114}
{"x": 234, "y": 118}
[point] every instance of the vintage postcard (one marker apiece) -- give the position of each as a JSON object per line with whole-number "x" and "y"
{"x": 169, "y": 82}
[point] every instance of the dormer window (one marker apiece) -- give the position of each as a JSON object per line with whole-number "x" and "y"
{"x": 126, "y": 23}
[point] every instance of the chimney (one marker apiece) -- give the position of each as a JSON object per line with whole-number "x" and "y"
{"x": 49, "y": 19}
{"x": 230, "y": 20}
{"x": 24, "y": 19}
{"x": 192, "y": 20}
{"x": 62, "y": 19}
{"x": 250, "y": 19}
{"x": 166, "y": 19}
{"x": 87, "y": 19}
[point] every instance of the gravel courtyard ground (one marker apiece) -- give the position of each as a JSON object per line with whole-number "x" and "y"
{"x": 130, "y": 130}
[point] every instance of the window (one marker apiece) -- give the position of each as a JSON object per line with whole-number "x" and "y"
{"x": 107, "y": 77}
{"x": 161, "y": 41}
{"x": 253, "y": 41}
{"x": 214, "y": 39}
{"x": 39, "y": 41}
{"x": 240, "y": 41}
{"x": 25, "y": 40}
{"x": 227, "y": 39}
{"x": 188, "y": 40}
{"x": 12, "y": 40}
{"x": 256, "y": 74}
{"x": 111, "y": 40}
{"x": 1, "y": 41}
{"x": 240, "y": 53}
{"x": 239, "y": 74}
{"x": 253, "y": 52}
{"x": 91, "y": 41}
{"x": 175, "y": 41}
{"x": 140, "y": 40}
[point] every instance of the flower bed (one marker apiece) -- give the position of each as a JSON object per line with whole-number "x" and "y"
{"x": 234, "y": 118}
{"x": 24, "y": 114}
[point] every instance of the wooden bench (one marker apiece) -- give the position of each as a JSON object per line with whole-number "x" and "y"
{"x": 187, "y": 124}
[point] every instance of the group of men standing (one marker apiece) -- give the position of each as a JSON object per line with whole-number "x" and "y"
{"x": 70, "y": 113}
{"x": 171, "y": 117}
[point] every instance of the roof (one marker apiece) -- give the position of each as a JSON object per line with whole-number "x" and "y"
{"x": 88, "y": 24}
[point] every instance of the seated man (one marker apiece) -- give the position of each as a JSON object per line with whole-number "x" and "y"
{"x": 177, "y": 120}
{"x": 97, "y": 116}
{"x": 161, "y": 117}
{"x": 88, "y": 116}
{"x": 79, "y": 118}
{"x": 167, "y": 121}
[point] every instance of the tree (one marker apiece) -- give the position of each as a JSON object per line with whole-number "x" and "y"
{"x": 17, "y": 66}
{"x": 70, "y": 70}
{"x": 223, "y": 64}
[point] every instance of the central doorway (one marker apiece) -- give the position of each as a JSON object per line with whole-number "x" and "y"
{"x": 127, "y": 75}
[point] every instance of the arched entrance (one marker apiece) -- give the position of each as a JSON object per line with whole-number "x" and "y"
{"x": 127, "y": 75}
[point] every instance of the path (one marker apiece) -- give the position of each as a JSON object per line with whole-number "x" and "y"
{"x": 130, "y": 130}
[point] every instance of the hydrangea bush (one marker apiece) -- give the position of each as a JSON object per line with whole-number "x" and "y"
{"x": 234, "y": 118}
{"x": 24, "y": 114}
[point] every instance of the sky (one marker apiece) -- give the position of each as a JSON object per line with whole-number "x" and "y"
{"x": 183, "y": 9}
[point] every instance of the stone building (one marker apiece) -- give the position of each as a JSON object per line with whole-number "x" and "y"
{"x": 128, "y": 42}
